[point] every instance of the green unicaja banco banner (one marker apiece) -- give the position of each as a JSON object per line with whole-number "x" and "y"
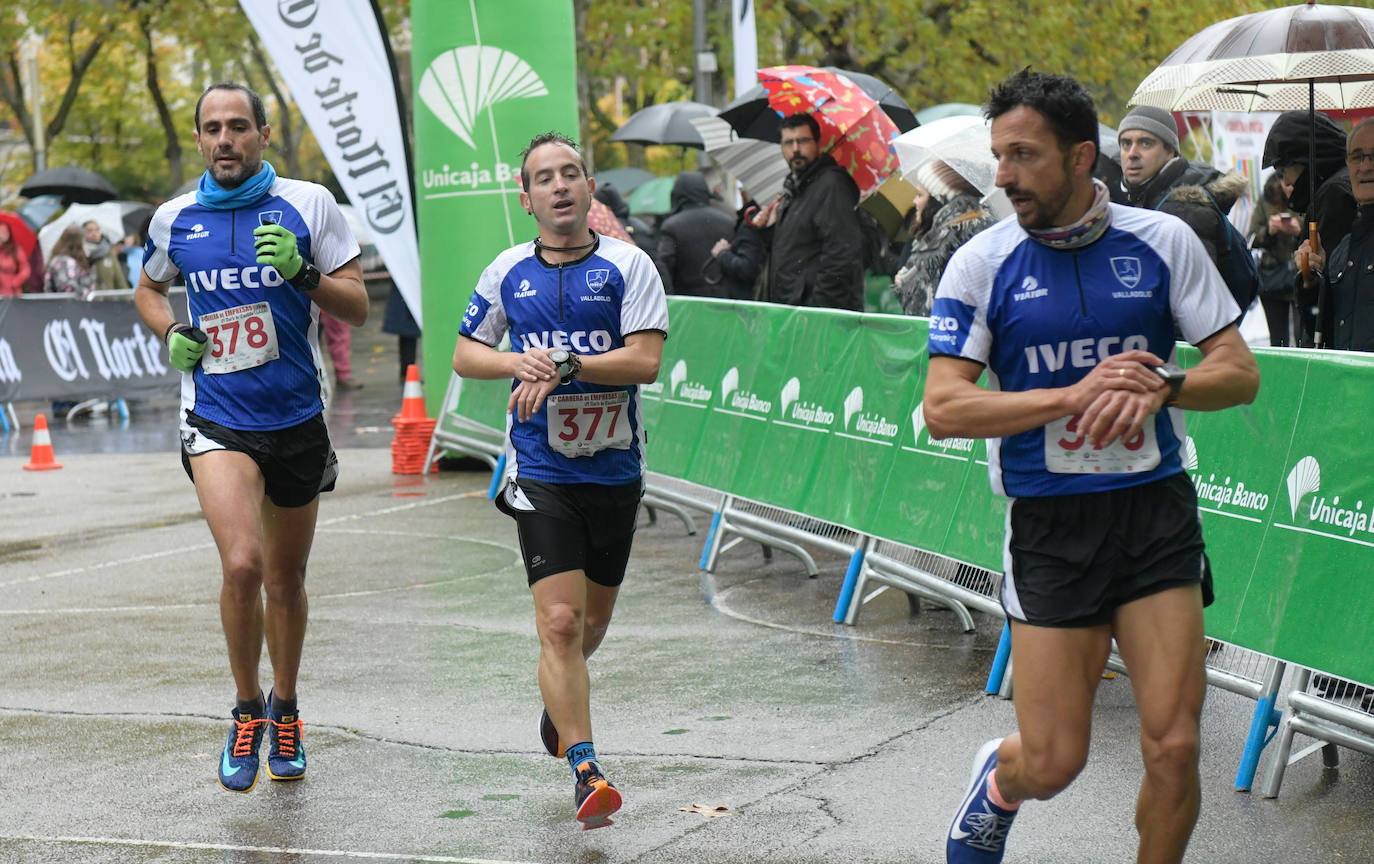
{"x": 820, "y": 412}
{"x": 488, "y": 75}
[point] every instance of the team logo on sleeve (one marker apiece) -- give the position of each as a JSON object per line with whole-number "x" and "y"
{"x": 1127, "y": 270}
{"x": 596, "y": 279}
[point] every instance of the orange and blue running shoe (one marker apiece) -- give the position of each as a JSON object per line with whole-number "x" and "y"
{"x": 238, "y": 765}
{"x": 549, "y": 735}
{"x": 595, "y": 797}
{"x": 286, "y": 755}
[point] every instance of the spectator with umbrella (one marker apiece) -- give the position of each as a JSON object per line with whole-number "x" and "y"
{"x": 948, "y": 212}
{"x": 16, "y": 245}
{"x": 837, "y": 141}
{"x": 687, "y": 236}
{"x": 68, "y": 271}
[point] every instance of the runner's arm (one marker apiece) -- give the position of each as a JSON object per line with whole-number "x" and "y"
{"x": 342, "y": 294}
{"x": 150, "y": 299}
{"x": 636, "y": 363}
{"x": 1227, "y": 374}
{"x": 955, "y": 406}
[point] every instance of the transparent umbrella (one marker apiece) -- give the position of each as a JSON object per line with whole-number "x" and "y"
{"x": 964, "y": 143}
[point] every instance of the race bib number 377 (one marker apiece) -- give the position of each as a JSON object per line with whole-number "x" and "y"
{"x": 581, "y": 424}
{"x": 240, "y": 338}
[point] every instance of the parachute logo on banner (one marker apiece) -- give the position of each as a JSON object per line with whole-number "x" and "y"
{"x": 853, "y": 404}
{"x": 1305, "y": 477}
{"x": 1189, "y": 455}
{"x": 462, "y": 82}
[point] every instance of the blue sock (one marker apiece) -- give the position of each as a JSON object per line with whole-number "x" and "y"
{"x": 578, "y": 753}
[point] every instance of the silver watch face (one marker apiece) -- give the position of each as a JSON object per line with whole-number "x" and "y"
{"x": 558, "y": 356}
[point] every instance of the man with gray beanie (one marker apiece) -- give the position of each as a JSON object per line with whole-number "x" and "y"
{"x": 1156, "y": 177}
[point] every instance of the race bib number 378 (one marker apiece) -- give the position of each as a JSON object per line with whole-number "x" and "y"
{"x": 240, "y": 338}
{"x": 581, "y": 424}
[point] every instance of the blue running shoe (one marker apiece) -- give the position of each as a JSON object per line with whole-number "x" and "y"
{"x": 286, "y": 755}
{"x": 238, "y": 765}
{"x": 979, "y": 832}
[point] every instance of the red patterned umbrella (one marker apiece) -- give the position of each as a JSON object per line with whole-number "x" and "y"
{"x": 854, "y": 130}
{"x": 601, "y": 220}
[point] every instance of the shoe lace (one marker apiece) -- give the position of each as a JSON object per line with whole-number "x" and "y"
{"x": 244, "y": 733}
{"x": 987, "y": 830}
{"x": 287, "y": 736}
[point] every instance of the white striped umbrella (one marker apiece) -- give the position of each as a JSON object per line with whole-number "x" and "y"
{"x": 757, "y": 165}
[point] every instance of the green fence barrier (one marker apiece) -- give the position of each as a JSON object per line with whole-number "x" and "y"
{"x": 819, "y": 412}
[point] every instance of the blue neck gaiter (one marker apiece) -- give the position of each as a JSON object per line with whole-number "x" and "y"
{"x": 209, "y": 194}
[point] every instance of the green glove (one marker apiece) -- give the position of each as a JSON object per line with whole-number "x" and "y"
{"x": 277, "y": 246}
{"x": 185, "y": 345}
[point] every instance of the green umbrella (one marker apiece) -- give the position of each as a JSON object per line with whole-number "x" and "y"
{"x": 653, "y": 198}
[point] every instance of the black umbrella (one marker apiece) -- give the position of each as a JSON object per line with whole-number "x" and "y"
{"x": 752, "y": 116}
{"x": 1304, "y": 57}
{"x": 75, "y": 185}
{"x": 665, "y": 123}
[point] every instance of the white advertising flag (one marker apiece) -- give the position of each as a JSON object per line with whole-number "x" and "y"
{"x": 334, "y": 59}
{"x": 746, "y": 45}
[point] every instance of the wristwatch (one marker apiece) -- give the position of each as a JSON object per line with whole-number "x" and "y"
{"x": 307, "y": 278}
{"x": 1174, "y": 377}
{"x": 568, "y": 363}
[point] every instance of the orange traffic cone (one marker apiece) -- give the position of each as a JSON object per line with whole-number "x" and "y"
{"x": 412, "y": 396}
{"x": 413, "y": 429}
{"x": 41, "y": 457}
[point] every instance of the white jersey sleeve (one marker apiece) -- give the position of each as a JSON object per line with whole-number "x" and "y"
{"x": 959, "y": 313}
{"x": 157, "y": 263}
{"x": 1201, "y": 303}
{"x": 485, "y": 317}
{"x": 645, "y": 306}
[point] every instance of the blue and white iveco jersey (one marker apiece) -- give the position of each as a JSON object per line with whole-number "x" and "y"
{"x": 1038, "y": 317}
{"x": 213, "y": 249}
{"x": 588, "y": 307}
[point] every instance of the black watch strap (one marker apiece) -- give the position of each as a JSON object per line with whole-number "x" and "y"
{"x": 307, "y": 278}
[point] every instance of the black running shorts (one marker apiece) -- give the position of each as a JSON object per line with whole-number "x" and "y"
{"x": 297, "y": 463}
{"x": 573, "y": 526}
{"x": 1072, "y": 560}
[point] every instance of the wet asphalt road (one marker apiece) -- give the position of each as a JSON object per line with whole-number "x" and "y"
{"x": 823, "y": 743}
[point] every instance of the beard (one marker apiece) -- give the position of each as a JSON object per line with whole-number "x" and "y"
{"x": 232, "y": 178}
{"x": 1047, "y": 206}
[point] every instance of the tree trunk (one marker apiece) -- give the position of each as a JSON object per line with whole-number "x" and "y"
{"x": 175, "y": 170}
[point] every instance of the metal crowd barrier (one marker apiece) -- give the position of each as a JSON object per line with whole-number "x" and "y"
{"x": 662, "y": 492}
{"x": 776, "y": 528}
{"x": 1337, "y": 712}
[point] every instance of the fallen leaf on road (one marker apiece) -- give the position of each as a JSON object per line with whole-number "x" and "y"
{"x": 707, "y": 810}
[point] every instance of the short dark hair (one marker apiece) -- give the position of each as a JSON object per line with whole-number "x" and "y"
{"x": 1062, "y": 101}
{"x": 793, "y": 121}
{"x": 254, "y": 101}
{"x": 550, "y": 137}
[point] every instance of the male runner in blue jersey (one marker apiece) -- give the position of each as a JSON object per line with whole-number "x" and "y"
{"x": 261, "y": 255}
{"x": 1071, "y": 308}
{"x": 587, "y": 318}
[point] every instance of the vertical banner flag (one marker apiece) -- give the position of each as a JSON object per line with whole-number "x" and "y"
{"x": 489, "y": 76}
{"x": 746, "y": 45}
{"x": 1238, "y": 144}
{"x": 336, "y": 62}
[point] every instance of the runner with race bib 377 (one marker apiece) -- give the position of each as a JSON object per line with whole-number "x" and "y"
{"x": 587, "y": 317}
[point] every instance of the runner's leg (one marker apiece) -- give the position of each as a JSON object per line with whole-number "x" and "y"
{"x": 1055, "y": 676}
{"x": 289, "y": 533}
{"x": 600, "y": 606}
{"x": 1160, "y": 637}
{"x": 230, "y": 488}
{"x": 560, "y": 616}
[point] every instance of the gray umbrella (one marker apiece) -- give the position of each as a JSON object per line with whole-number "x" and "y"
{"x": 75, "y": 185}
{"x": 665, "y": 123}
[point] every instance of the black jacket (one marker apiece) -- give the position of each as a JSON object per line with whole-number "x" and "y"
{"x": 816, "y": 248}
{"x": 1180, "y": 188}
{"x": 1289, "y": 143}
{"x": 685, "y": 238}
{"x": 1349, "y": 321}
{"x": 737, "y": 268}
{"x": 639, "y": 230}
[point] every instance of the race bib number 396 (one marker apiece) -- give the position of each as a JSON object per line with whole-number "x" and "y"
{"x": 240, "y": 338}
{"x": 1068, "y": 451}
{"x": 581, "y": 424}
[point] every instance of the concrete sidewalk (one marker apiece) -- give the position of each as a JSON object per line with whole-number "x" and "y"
{"x": 823, "y": 743}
